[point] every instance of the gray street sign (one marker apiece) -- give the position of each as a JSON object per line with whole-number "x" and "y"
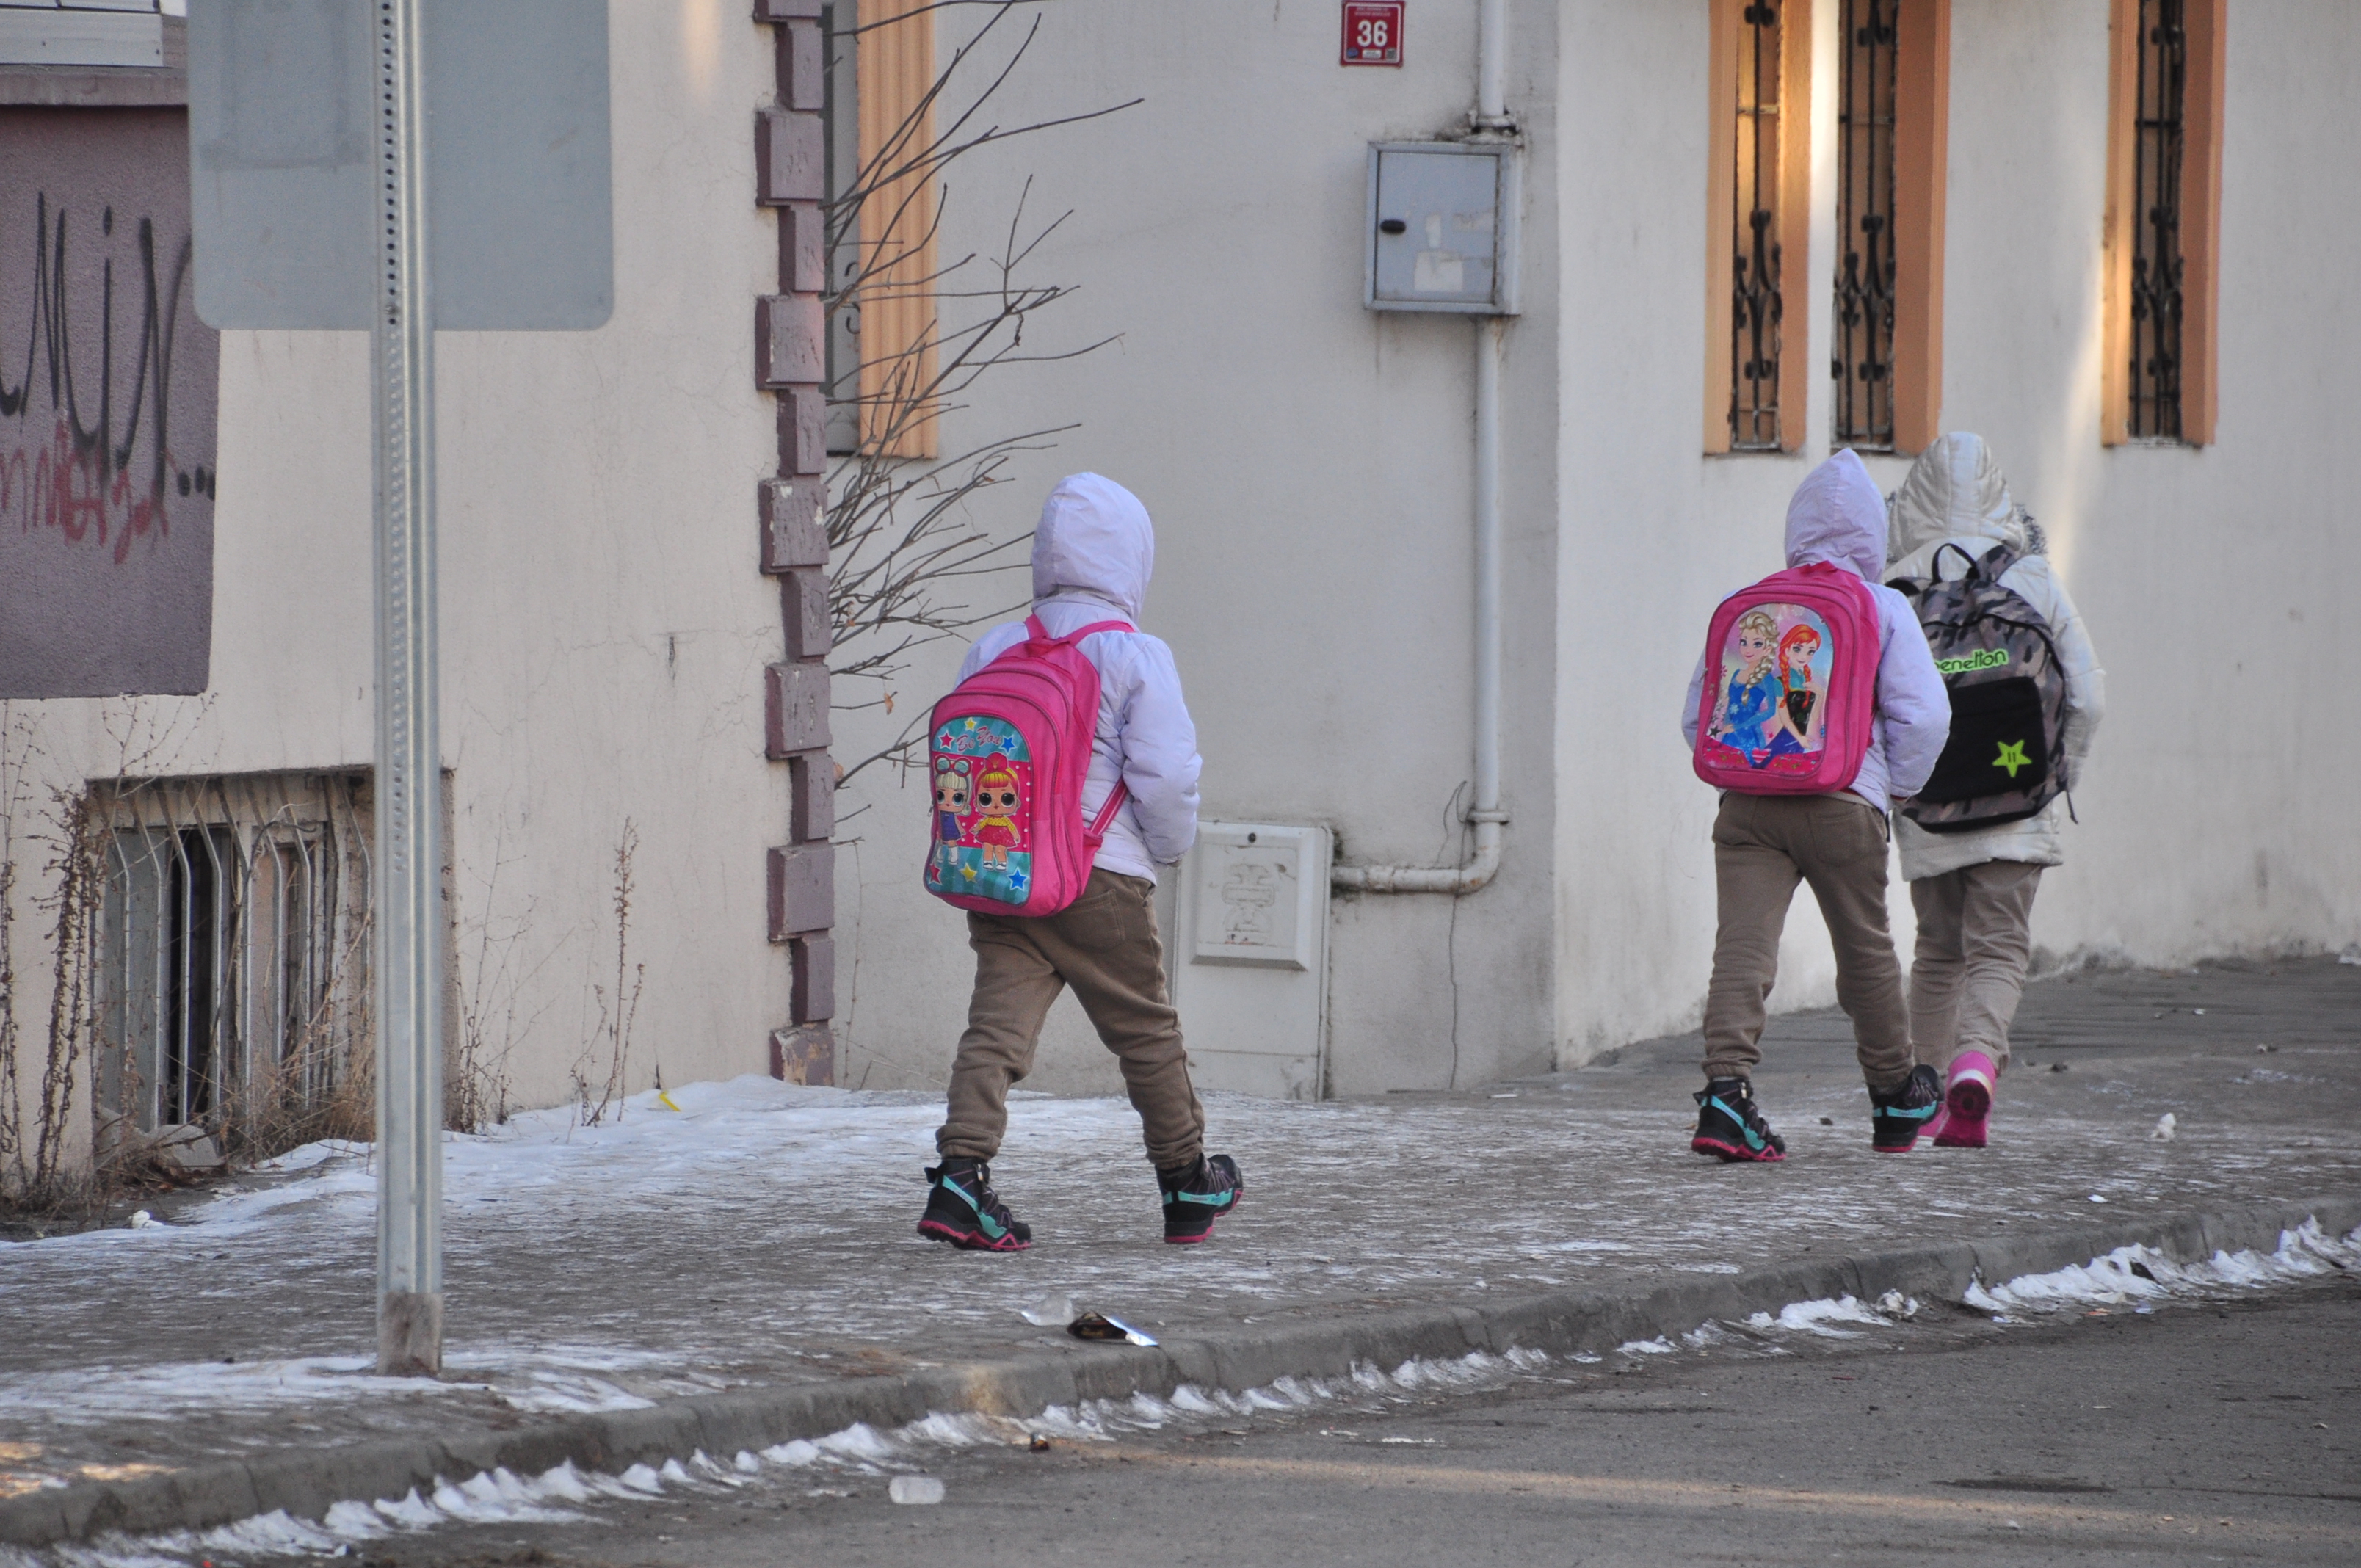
{"x": 281, "y": 125}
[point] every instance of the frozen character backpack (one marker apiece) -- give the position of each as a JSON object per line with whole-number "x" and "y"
{"x": 1007, "y": 752}
{"x": 1791, "y": 684}
{"x": 2006, "y": 758}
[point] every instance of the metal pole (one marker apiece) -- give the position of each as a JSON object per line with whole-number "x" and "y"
{"x": 409, "y": 892}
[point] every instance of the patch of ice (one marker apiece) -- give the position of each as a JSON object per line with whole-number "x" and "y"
{"x": 412, "y": 1512}
{"x": 2141, "y": 1274}
{"x": 354, "y": 1521}
{"x": 797, "y": 1452}
{"x": 1657, "y": 1346}
{"x": 859, "y": 1442}
{"x": 1819, "y": 1317}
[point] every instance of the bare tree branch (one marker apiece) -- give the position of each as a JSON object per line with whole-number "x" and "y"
{"x": 900, "y": 539}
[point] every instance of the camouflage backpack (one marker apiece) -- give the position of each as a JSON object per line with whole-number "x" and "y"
{"x": 2006, "y": 759}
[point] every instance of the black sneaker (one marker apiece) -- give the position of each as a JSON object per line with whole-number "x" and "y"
{"x": 1194, "y": 1198}
{"x": 1896, "y": 1120}
{"x": 1730, "y": 1128}
{"x": 963, "y": 1209}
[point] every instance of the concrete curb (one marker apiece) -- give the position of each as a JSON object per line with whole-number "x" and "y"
{"x": 307, "y": 1484}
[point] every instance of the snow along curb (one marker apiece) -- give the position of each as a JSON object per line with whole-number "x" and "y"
{"x": 307, "y": 1484}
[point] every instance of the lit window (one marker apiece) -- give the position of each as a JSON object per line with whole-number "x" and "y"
{"x": 2164, "y": 190}
{"x": 1893, "y": 106}
{"x": 880, "y": 125}
{"x": 1758, "y": 209}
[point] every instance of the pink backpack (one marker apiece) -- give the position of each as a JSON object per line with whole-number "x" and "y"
{"x": 1791, "y": 684}
{"x": 1007, "y": 752}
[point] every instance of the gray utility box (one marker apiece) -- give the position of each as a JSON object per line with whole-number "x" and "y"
{"x": 1442, "y": 227}
{"x": 1249, "y": 961}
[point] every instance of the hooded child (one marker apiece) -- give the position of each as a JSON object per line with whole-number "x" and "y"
{"x": 1765, "y": 844}
{"x": 1973, "y": 890}
{"x": 1092, "y": 555}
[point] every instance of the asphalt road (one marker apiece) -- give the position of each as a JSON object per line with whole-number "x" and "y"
{"x": 2227, "y": 1431}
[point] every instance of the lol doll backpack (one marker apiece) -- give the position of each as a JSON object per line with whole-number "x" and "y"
{"x": 2006, "y": 759}
{"x": 1007, "y": 752}
{"x": 1791, "y": 684}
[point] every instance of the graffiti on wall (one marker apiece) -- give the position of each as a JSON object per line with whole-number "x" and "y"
{"x": 107, "y": 384}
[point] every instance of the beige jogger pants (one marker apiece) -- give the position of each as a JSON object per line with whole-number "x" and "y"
{"x": 1762, "y": 846}
{"x": 1975, "y": 938}
{"x": 1104, "y": 945}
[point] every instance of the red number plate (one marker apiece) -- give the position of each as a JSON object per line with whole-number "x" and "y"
{"x": 1373, "y": 31}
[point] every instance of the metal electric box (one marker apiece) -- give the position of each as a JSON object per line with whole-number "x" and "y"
{"x": 1249, "y": 958}
{"x": 1442, "y": 227}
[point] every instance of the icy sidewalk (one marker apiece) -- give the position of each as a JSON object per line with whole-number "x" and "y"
{"x": 762, "y": 1234}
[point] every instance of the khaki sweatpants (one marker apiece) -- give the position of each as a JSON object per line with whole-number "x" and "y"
{"x": 1762, "y": 846}
{"x": 1974, "y": 938}
{"x": 1103, "y": 945}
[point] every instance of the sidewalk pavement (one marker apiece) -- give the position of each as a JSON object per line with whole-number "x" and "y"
{"x": 760, "y": 1239}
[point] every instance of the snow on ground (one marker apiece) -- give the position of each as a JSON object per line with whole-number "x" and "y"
{"x": 763, "y": 1233}
{"x": 567, "y": 1494}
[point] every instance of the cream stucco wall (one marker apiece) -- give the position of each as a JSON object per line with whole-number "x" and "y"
{"x": 604, "y": 622}
{"x": 1309, "y": 466}
{"x": 2210, "y": 814}
{"x": 2216, "y": 818}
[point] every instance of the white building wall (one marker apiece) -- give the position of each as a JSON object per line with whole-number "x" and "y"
{"x": 1309, "y": 466}
{"x": 1655, "y": 532}
{"x": 604, "y": 622}
{"x": 2216, "y": 818}
{"x": 2211, "y": 816}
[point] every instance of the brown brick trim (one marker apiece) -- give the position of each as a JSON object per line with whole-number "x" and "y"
{"x": 791, "y": 508}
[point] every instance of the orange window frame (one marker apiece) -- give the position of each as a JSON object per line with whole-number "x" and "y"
{"x": 1920, "y": 116}
{"x": 894, "y": 66}
{"x": 2199, "y": 231}
{"x": 1789, "y": 227}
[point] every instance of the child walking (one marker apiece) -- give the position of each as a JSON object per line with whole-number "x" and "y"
{"x": 1092, "y": 555}
{"x": 1973, "y": 890}
{"x": 1765, "y": 844}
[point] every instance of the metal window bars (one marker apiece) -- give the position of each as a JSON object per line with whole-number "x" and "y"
{"x": 1756, "y": 308}
{"x": 1864, "y": 363}
{"x": 233, "y": 951}
{"x": 2159, "y": 142}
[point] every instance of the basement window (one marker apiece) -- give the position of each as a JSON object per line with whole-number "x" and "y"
{"x": 233, "y": 954}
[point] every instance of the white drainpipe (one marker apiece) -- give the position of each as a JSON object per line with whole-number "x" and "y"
{"x": 1485, "y": 813}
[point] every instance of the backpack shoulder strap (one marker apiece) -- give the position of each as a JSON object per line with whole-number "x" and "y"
{"x": 1934, "y": 562}
{"x": 1096, "y": 832}
{"x": 1995, "y": 561}
{"x": 1076, "y": 635}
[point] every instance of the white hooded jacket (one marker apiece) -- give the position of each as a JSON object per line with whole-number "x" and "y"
{"x": 1092, "y": 555}
{"x": 1838, "y": 516}
{"x": 1955, "y": 495}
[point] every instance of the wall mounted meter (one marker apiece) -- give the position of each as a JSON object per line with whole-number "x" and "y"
{"x": 1442, "y": 227}
{"x": 1249, "y": 956}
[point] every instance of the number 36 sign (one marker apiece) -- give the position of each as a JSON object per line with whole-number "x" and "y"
{"x": 1373, "y": 31}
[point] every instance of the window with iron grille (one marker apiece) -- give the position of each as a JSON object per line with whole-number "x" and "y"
{"x": 1758, "y": 236}
{"x": 234, "y": 954}
{"x": 884, "y": 338}
{"x": 2164, "y": 212}
{"x": 2158, "y": 148}
{"x": 1862, "y": 365}
{"x": 1757, "y": 307}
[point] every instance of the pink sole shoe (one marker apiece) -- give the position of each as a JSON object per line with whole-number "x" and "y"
{"x": 1967, "y": 1103}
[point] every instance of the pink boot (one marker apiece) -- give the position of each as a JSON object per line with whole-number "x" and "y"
{"x": 1967, "y": 1103}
